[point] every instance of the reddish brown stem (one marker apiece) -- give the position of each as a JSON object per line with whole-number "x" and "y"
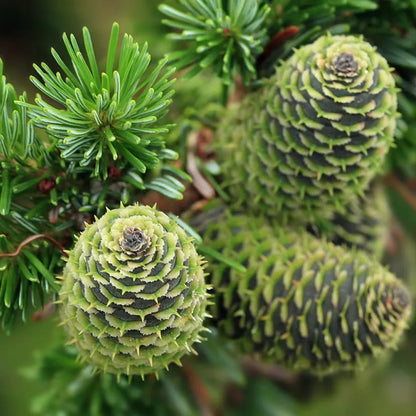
{"x": 280, "y": 38}
{"x": 199, "y": 390}
{"x": 270, "y": 371}
{"x": 402, "y": 189}
{"x": 44, "y": 313}
{"x": 199, "y": 181}
{"x": 276, "y": 41}
{"x": 33, "y": 238}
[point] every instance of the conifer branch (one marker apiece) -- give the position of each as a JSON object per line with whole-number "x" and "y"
{"x": 225, "y": 35}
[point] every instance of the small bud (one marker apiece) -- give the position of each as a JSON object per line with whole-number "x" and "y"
{"x": 114, "y": 172}
{"x": 46, "y": 185}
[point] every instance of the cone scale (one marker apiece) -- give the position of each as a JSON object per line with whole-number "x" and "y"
{"x": 364, "y": 225}
{"x": 133, "y": 298}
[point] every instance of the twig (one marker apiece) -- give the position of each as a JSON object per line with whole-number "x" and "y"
{"x": 394, "y": 238}
{"x": 273, "y": 372}
{"x": 28, "y": 240}
{"x": 199, "y": 390}
{"x": 280, "y": 38}
{"x": 199, "y": 182}
{"x": 44, "y": 313}
{"x": 402, "y": 189}
{"x": 238, "y": 93}
{"x": 276, "y": 41}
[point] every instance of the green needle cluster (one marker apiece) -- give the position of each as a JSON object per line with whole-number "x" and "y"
{"x": 133, "y": 295}
{"x": 27, "y": 278}
{"x": 224, "y": 34}
{"x": 18, "y": 144}
{"x": 99, "y": 116}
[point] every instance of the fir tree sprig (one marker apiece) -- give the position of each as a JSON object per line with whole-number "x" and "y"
{"x": 21, "y": 152}
{"x": 46, "y": 186}
{"x": 27, "y": 278}
{"x": 27, "y": 264}
{"x": 102, "y": 118}
{"x": 226, "y": 35}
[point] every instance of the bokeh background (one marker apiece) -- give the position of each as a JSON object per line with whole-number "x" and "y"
{"x": 27, "y": 31}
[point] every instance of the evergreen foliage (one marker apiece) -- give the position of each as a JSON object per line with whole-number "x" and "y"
{"x": 311, "y": 134}
{"x": 77, "y": 389}
{"x": 49, "y": 187}
{"x": 105, "y": 114}
{"x": 225, "y": 34}
{"x": 28, "y": 278}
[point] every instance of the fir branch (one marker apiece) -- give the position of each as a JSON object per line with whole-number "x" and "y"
{"x": 224, "y": 34}
{"x": 21, "y": 152}
{"x": 110, "y": 118}
{"x": 199, "y": 390}
{"x": 73, "y": 388}
{"x": 402, "y": 189}
{"x": 29, "y": 240}
{"x": 27, "y": 277}
{"x": 18, "y": 143}
{"x": 27, "y": 273}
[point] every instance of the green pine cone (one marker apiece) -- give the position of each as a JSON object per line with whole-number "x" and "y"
{"x": 314, "y": 135}
{"x": 303, "y": 302}
{"x": 133, "y": 296}
{"x": 364, "y": 225}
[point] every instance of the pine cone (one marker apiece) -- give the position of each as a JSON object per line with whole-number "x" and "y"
{"x": 133, "y": 296}
{"x": 314, "y": 135}
{"x": 303, "y": 302}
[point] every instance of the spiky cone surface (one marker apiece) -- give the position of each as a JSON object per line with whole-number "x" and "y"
{"x": 364, "y": 224}
{"x": 314, "y": 135}
{"x": 133, "y": 298}
{"x": 302, "y": 302}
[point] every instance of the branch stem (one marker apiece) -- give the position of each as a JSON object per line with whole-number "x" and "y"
{"x": 199, "y": 390}
{"x": 402, "y": 189}
{"x": 28, "y": 240}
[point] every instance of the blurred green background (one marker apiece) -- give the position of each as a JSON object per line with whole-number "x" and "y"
{"x": 27, "y": 31}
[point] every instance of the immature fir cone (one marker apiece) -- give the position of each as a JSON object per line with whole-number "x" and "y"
{"x": 303, "y": 302}
{"x": 314, "y": 135}
{"x": 133, "y": 296}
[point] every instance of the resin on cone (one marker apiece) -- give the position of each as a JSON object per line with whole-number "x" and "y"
{"x": 133, "y": 298}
